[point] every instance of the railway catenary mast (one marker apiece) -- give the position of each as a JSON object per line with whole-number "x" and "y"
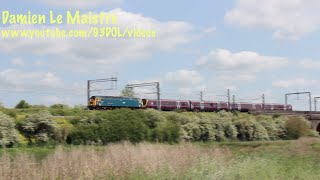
{"x": 228, "y": 94}
{"x": 156, "y": 84}
{"x": 315, "y": 103}
{"x": 113, "y": 81}
{"x": 297, "y": 93}
{"x": 233, "y": 102}
{"x": 263, "y": 102}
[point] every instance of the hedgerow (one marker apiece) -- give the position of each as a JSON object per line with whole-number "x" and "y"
{"x": 79, "y": 126}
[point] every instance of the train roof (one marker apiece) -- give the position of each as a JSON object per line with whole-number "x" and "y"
{"x": 115, "y": 97}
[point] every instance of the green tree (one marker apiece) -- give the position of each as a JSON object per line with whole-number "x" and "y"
{"x": 8, "y": 134}
{"x": 22, "y": 105}
{"x": 38, "y": 128}
{"x": 60, "y": 106}
{"x": 127, "y": 92}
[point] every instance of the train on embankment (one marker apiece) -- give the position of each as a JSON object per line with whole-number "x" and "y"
{"x": 115, "y": 102}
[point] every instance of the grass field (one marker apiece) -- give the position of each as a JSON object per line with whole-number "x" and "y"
{"x": 296, "y": 159}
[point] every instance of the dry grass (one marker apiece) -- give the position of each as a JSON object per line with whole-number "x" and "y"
{"x": 304, "y": 145}
{"x": 119, "y": 161}
{"x": 298, "y": 159}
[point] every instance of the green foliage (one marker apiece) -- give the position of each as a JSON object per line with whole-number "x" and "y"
{"x": 224, "y": 127}
{"x": 75, "y": 125}
{"x": 65, "y": 110}
{"x": 59, "y": 106}
{"x": 297, "y": 127}
{"x": 123, "y": 125}
{"x": 162, "y": 129}
{"x": 249, "y": 129}
{"x": 22, "y": 105}
{"x": 38, "y": 128}
{"x": 8, "y": 134}
{"x": 275, "y": 126}
{"x": 127, "y": 92}
{"x": 59, "y": 109}
{"x": 111, "y": 126}
{"x": 64, "y": 128}
{"x": 10, "y": 112}
{"x": 207, "y": 126}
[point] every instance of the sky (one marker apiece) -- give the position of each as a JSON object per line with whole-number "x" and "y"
{"x": 251, "y": 47}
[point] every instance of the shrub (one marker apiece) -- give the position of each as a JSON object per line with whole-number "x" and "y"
{"x": 163, "y": 127}
{"x": 8, "y": 134}
{"x": 166, "y": 131}
{"x": 297, "y": 126}
{"x": 249, "y": 129}
{"x": 124, "y": 124}
{"x": 224, "y": 127}
{"x": 38, "y": 128}
{"x": 190, "y": 126}
{"x": 111, "y": 126}
{"x": 64, "y": 128}
{"x": 275, "y": 126}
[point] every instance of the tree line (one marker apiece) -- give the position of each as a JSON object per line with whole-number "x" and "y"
{"x": 60, "y": 124}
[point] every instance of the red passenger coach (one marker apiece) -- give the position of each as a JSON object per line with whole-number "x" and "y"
{"x": 152, "y": 104}
{"x": 168, "y": 105}
{"x": 212, "y": 106}
{"x": 278, "y": 107}
{"x": 196, "y": 106}
{"x": 222, "y": 106}
{"x": 207, "y": 106}
{"x": 257, "y": 107}
{"x": 184, "y": 105}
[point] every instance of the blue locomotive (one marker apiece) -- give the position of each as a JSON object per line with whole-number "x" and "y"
{"x": 113, "y": 102}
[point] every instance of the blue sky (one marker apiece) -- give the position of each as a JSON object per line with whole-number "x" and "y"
{"x": 249, "y": 46}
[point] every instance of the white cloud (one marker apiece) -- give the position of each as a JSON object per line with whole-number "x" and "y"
{"x": 231, "y": 81}
{"x": 289, "y": 19}
{"x": 297, "y": 82}
{"x": 210, "y": 30}
{"x": 310, "y": 64}
{"x": 183, "y": 84}
{"x": 19, "y": 79}
{"x": 224, "y": 60}
{"x": 17, "y": 62}
{"x": 184, "y": 78}
{"x": 235, "y": 69}
{"x": 79, "y": 54}
{"x": 81, "y": 4}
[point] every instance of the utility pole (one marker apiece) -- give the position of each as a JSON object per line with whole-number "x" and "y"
{"x": 297, "y": 93}
{"x": 113, "y": 81}
{"x": 156, "y": 84}
{"x": 233, "y": 101}
{"x": 263, "y": 102}
{"x": 201, "y": 96}
{"x": 158, "y": 96}
{"x": 88, "y": 90}
{"x": 315, "y": 103}
{"x": 228, "y": 94}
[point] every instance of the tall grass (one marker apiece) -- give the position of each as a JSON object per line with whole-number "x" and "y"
{"x": 161, "y": 161}
{"x": 120, "y": 161}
